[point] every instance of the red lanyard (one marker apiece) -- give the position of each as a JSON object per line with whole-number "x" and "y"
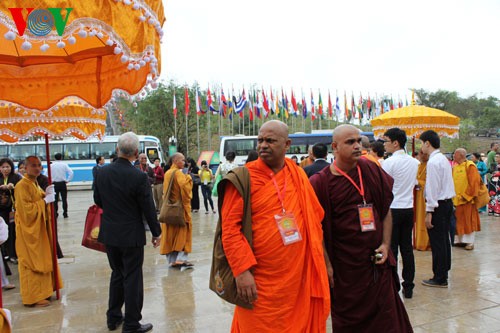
{"x": 361, "y": 188}
{"x": 280, "y": 196}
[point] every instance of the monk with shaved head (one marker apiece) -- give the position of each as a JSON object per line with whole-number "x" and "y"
{"x": 176, "y": 244}
{"x": 282, "y": 273}
{"x": 356, "y": 195}
{"x": 467, "y": 181}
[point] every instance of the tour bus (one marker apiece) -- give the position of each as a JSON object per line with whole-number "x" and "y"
{"x": 301, "y": 142}
{"x": 79, "y": 155}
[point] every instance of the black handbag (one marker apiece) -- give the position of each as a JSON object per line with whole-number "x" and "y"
{"x": 172, "y": 213}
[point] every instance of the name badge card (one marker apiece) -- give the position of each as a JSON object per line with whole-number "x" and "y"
{"x": 366, "y": 217}
{"x": 288, "y": 229}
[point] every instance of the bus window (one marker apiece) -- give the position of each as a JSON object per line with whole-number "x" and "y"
{"x": 54, "y": 148}
{"x": 20, "y": 152}
{"x": 76, "y": 151}
{"x": 105, "y": 149}
{"x": 152, "y": 154}
{"x": 240, "y": 146}
{"x": 4, "y": 150}
{"x": 298, "y": 146}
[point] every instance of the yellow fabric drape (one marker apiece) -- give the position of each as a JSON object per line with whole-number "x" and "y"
{"x": 421, "y": 235}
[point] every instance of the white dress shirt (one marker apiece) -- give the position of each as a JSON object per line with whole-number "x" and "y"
{"x": 61, "y": 172}
{"x": 439, "y": 182}
{"x": 403, "y": 169}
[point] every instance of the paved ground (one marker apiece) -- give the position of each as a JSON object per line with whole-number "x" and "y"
{"x": 177, "y": 301}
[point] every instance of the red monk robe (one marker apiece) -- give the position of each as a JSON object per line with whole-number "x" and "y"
{"x": 292, "y": 283}
{"x": 365, "y": 296}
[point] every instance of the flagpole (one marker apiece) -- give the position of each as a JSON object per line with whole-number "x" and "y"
{"x": 209, "y": 133}
{"x": 187, "y": 141}
{"x": 198, "y": 131}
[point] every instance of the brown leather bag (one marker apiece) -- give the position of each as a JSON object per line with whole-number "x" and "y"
{"x": 222, "y": 280}
{"x": 172, "y": 213}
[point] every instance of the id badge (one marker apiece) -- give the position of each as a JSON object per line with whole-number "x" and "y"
{"x": 288, "y": 228}
{"x": 366, "y": 217}
{"x": 205, "y": 182}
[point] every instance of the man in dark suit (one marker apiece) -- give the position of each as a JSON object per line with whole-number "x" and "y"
{"x": 320, "y": 151}
{"x": 124, "y": 194}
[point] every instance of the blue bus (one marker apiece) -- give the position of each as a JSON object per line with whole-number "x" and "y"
{"x": 301, "y": 142}
{"x": 79, "y": 155}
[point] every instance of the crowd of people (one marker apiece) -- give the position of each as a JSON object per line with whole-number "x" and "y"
{"x": 325, "y": 236}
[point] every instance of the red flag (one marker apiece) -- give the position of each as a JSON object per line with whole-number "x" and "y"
{"x": 353, "y": 106}
{"x": 294, "y": 104}
{"x": 330, "y": 108}
{"x": 265, "y": 104}
{"x": 186, "y": 101}
{"x": 175, "y": 107}
{"x": 209, "y": 100}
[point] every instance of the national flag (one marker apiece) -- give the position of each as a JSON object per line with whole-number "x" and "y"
{"x": 330, "y": 108}
{"x": 209, "y": 98}
{"x": 240, "y": 105}
{"x": 360, "y": 107}
{"x": 272, "y": 105}
{"x": 353, "y": 106}
{"x": 265, "y": 104}
{"x": 369, "y": 107}
{"x": 199, "y": 110}
{"x": 382, "y": 106}
{"x": 295, "y": 108}
{"x": 313, "y": 110}
{"x": 337, "y": 106}
{"x": 256, "y": 105}
{"x": 186, "y": 101}
{"x": 250, "y": 107}
{"x": 346, "y": 109}
{"x": 392, "y": 104}
{"x": 320, "y": 105}
{"x": 304, "y": 107}
{"x": 222, "y": 104}
{"x": 175, "y": 107}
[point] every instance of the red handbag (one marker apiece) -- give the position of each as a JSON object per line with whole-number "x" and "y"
{"x": 92, "y": 227}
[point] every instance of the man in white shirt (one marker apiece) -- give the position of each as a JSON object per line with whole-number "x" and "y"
{"x": 403, "y": 169}
{"x": 61, "y": 175}
{"x": 439, "y": 189}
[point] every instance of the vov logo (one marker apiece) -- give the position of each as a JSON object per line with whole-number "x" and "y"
{"x": 40, "y": 22}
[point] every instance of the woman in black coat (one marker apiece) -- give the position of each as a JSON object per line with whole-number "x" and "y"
{"x": 193, "y": 169}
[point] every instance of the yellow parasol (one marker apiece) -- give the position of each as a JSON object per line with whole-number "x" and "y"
{"x": 415, "y": 119}
{"x": 71, "y": 116}
{"x": 53, "y": 49}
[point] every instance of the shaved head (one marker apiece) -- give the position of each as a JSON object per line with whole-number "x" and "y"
{"x": 341, "y": 130}
{"x": 278, "y": 127}
{"x": 178, "y": 160}
{"x": 461, "y": 151}
{"x": 177, "y": 156}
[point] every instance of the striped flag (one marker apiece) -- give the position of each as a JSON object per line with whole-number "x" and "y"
{"x": 175, "y": 107}
{"x": 330, "y": 108}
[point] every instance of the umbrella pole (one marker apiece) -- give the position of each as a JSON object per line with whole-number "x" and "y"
{"x": 52, "y": 212}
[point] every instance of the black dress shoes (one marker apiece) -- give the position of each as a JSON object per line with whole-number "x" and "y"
{"x": 115, "y": 325}
{"x": 407, "y": 293}
{"x": 142, "y": 329}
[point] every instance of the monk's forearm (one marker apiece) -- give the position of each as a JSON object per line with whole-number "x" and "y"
{"x": 386, "y": 240}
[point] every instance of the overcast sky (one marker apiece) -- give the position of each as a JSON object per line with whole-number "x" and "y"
{"x": 376, "y": 47}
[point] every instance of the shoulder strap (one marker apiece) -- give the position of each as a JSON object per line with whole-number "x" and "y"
{"x": 170, "y": 186}
{"x": 240, "y": 178}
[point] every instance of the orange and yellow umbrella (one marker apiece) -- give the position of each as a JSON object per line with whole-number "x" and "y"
{"x": 415, "y": 119}
{"x": 51, "y": 49}
{"x": 71, "y": 116}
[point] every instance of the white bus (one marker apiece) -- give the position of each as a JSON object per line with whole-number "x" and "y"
{"x": 80, "y": 155}
{"x": 301, "y": 142}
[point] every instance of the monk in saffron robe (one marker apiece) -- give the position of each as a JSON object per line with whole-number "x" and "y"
{"x": 365, "y": 291}
{"x": 284, "y": 278}
{"x": 421, "y": 236}
{"x": 467, "y": 181}
{"x": 34, "y": 237}
{"x": 177, "y": 242}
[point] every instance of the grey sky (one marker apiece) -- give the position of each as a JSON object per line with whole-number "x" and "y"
{"x": 376, "y": 47}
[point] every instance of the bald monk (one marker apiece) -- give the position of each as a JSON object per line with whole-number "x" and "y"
{"x": 366, "y": 150}
{"x": 421, "y": 236}
{"x": 283, "y": 275}
{"x": 467, "y": 181}
{"x": 178, "y": 240}
{"x": 365, "y": 289}
{"x": 309, "y": 159}
{"x": 34, "y": 237}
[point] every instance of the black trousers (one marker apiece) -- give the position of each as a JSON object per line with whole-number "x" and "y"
{"x": 61, "y": 190}
{"x": 126, "y": 285}
{"x": 439, "y": 237}
{"x": 207, "y": 196}
{"x": 402, "y": 227}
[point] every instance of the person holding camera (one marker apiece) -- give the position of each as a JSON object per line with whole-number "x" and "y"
{"x": 207, "y": 178}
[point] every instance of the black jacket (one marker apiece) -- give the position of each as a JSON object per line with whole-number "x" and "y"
{"x": 317, "y": 166}
{"x": 124, "y": 194}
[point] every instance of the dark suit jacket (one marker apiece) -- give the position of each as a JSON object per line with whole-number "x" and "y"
{"x": 317, "y": 166}
{"x": 124, "y": 194}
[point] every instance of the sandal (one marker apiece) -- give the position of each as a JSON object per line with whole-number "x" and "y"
{"x": 8, "y": 286}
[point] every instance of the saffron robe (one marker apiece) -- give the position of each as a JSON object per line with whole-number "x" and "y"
{"x": 34, "y": 243}
{"x": 178, "y": 238}
{"x": 291, "y": 280}
{"x": 466, "y": 180}
{"x": 365, "y": 296}
{"x": 421, "y": 236}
